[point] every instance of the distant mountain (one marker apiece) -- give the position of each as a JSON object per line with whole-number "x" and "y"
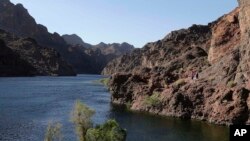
{"x": 106, "y": 49}
{"x": 115, "y": 48}
{"x": 99, "y": 55}
{"x": 16, "y": 19}
{"x": 74, "y": 39}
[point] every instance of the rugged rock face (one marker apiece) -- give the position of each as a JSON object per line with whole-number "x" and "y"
{"x": 244, "y": 19}
{"x": 37, "y": 60}
{"x": 178, "y": 50}
{"x": 11, "y": 63}
{"x": 226, "y": 36}
{"x": 244, "y": 67}
{"x": 191, "y": 73}
{"x": 16, "y": 19}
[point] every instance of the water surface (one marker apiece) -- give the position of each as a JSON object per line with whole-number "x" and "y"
{"x": 28, "y": 104}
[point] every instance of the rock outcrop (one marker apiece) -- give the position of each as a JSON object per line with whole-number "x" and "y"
{"x": 243, "y": 74}
{"x": 36, "y": 60}
{"x": 178, "y": 50}
{"x": 226, "y": 36}
{"x": 199, "y": 73}
{"x": 11, "y": 63}
{"x": 16, "y": 19}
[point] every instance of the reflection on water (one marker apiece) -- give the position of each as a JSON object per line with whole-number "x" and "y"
{"x": 28, "y": 104}
{"x": 155, "y": 128}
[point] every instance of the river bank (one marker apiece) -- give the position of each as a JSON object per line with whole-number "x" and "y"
{"x": 28, "y": 104}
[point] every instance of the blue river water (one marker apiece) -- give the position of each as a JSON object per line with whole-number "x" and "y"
{"x": 28, "y": 104}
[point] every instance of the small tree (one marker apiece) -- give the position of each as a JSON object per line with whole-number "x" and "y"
{"x": 153, "y": 100}
{"x": 53, "y": 132}
{"x": 81, "y": 117}
{"x": 109, "y": 131}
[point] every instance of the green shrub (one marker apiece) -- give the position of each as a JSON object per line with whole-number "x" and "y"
{"x": 231, "y": 84}
{"x": 128, "y": 104}
{"x": 104, "y": 81}
{"x": 109, "y": 131}
{"x": 81, "y": 117}
{"x": 179, "y": 83}
{"x": 153, "y": 100}
{"x": 53, "y": 132}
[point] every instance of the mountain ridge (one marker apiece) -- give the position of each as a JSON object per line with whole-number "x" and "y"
{"x": 197, "y": 73}
{"x": 16, "y": 19}
{"x": 42, "y": 61}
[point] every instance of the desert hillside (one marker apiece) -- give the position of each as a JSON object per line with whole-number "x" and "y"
{"x": 201, "y": 72}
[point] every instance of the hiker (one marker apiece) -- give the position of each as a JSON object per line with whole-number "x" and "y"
{"x": 196, "y": 75}
{"x": 192, "y": 74}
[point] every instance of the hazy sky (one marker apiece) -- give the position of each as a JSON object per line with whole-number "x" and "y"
{"x": 133, "y": 21}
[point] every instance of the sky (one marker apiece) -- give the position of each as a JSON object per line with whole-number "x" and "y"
{"x": 134, "y": 21}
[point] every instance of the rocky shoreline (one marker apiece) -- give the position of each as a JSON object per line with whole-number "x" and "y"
{"x": 159, "y": 77}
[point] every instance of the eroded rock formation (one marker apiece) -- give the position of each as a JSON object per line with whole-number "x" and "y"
{"x": 201, "y": 72}
{"x": 83, "y": 57}
{"x": 36, "y": 60}
{"x": 11, "y": 63}
{"x": 244, "y": 17}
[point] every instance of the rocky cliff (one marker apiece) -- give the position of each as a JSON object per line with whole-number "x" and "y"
{"x": 11, "y": 63}
{"x": 16, "y": 19}
{"x": 185, "y": 43}
{"x": 199, "y": 73}
{"x": 38, "y": 60}
{"x": 243, "y": 74}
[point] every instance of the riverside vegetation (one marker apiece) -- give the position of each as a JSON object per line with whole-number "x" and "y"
{"x": 104, "y": 81}
{"x": 81, "y": 116}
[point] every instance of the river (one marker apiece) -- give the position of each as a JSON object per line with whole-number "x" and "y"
{"x": 28, "y": 104}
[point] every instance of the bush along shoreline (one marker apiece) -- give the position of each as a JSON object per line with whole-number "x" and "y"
{"x": 81, "y": 117}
